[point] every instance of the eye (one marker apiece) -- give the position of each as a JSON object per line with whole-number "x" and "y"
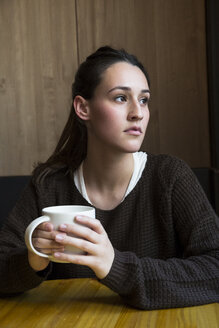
{"x": 144, "y": 101}
{"x": 120, "y": 98}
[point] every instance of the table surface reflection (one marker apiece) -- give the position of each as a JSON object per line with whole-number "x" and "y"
{"x": 85, "y": 303}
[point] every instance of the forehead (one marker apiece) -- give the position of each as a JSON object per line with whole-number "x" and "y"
{"x": 124, "y": 74}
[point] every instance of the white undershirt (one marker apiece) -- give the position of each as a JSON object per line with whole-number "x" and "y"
{"x": 140, "y": 159}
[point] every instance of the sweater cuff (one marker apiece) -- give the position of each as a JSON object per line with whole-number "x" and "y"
{"x": 121, "y": 277}
{"x": 27, "y": 277}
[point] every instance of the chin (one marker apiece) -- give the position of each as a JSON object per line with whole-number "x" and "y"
{"x": 133, "y": 148}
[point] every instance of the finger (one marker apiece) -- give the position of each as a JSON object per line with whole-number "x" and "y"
{"x": 42, "y": 234}
{"x": 82, "y": 232}
{"x": 50, "y": 251}
{"x": 82, "y": 244}
{"x": 46, "y": 226}
{"x": 75, "y": 259}
{"x": 46, "y": 235}
{"x": 41, "y": 243}
{"x": 91, "y": 223}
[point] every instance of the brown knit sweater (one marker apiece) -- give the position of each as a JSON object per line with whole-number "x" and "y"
{"x": 165, "y": 235}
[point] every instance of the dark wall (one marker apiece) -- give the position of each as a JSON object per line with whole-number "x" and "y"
{"x": 212, "y": 34}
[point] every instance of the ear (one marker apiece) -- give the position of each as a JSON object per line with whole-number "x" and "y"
{"x": 81, "y": 108}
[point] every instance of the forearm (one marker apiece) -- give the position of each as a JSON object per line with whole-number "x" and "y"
{"x": 152, "y": 283}
{"x": 16, "y": 275}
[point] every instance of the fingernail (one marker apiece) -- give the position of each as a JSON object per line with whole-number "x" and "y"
{"x": 57, "y": 254}
{"x": 48, "y": 226}
{"x": 63, "y": 226}
{"x": 59, "y": 237}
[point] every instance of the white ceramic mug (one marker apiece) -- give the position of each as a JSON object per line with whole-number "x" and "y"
{"x": 58, "y": 215}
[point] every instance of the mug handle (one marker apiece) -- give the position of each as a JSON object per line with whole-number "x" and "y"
{"x": 29, "y": 232}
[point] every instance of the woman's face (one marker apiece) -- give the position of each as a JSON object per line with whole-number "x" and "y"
{"x": 118, "y": 111}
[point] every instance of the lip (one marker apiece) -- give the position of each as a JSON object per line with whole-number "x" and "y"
{"x": 134, "y": 130}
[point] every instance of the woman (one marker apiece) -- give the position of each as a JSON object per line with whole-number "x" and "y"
{"x": 155, "y": 237}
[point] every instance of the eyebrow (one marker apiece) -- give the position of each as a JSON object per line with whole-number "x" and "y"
{"x": 127, "y": 89}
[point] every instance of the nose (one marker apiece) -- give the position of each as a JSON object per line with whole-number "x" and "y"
{"x": 135, "y": 112}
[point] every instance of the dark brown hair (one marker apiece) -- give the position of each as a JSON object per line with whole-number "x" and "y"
{"x": 71, "y": 149}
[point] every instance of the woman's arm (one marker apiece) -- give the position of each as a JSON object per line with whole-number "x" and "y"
{"x": 16, "y": 274}
{"x": 149, "y": 283}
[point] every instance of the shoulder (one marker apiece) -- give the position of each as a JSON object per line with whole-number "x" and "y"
{"x": 167, "y": 168}
{"x": 52, "y": 181}
{"x": 166, "y": 162}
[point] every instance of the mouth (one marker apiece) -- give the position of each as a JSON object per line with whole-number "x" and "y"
{"x": 134, "y": 130}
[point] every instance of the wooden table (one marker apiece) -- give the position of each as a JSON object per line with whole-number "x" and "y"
{"x": 85, "y": 303}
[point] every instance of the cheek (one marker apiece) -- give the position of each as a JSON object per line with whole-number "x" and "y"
{"x": 148, "y": 115}
{"x": 104, "y": 117}
{"x": 146, "y": 118}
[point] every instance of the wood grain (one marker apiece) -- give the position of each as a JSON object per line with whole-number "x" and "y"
{"x": 37, "y": 64}
{"x": 182, "y": 81}
{"x": 42, "y": 43}
{"x": 85, "y": 303}
{"x": 125, "y": 24}
{"x": 169, "y": 38}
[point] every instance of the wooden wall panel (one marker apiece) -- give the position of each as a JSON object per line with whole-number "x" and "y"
{"x": 42, "y": 42}
{"x": 182, "y": 81}
{"x": 169, "y": 38}
{"x": 123, "y": 23}
{"x": 37, "y": 62}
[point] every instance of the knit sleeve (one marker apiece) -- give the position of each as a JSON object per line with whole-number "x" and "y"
{"x": 193, "y": 279}
{"x": 16, "y": 275}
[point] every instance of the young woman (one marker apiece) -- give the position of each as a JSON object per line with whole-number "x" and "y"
{"x": 155, "y": 239}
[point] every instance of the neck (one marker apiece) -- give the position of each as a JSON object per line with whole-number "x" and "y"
{"x": 107, "y": 171}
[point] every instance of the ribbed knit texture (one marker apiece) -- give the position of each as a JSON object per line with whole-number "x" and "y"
{"x": 165, "y": 235}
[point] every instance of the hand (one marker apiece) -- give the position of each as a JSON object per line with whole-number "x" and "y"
{"x": 43, "y": 241}
{"x": 93, "y": 240}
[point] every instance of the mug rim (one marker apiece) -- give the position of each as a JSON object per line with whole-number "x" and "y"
{"x": 60, "y": 208}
